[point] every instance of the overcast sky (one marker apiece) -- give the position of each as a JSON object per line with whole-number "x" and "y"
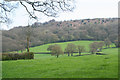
{"x": 84, "y": 9}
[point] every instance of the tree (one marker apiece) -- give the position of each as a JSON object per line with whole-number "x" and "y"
{"x": 93, "y": 47}
{"x": 56, "y": 50}
{"x": 50, "y": 47}
{"x": 70, "y": 49}
{"x": 107, "y": 42}
{"x": 28, "y": 31}
{"x": 100, "y": 45}
{"x": 80, "y": 49}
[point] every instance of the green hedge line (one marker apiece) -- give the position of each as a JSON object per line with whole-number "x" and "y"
{"x": 16, "y": 56}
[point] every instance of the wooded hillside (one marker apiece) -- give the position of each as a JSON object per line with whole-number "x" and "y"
{"x": 54, "y": 31}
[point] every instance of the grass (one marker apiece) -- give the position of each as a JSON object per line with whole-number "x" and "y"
{"x": 43, "y": 48}
{"x": 47, "y": 66}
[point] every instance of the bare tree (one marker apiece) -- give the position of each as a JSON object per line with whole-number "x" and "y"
{"x": 28, "y": 32}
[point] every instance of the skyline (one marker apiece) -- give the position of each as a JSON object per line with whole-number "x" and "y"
{"x": 84, "y": 10}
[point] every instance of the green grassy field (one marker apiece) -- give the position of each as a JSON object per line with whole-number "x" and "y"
{"x": 47, "y": 66}
{"x": 43, "y": 48}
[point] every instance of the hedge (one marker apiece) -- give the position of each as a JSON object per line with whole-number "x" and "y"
{"x": 16, "y": 56}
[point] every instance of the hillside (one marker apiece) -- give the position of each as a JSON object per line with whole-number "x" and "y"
{"x": 54, "y": 31}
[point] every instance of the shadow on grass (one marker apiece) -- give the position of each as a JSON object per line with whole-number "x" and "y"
{"x": 82, "y": 55}
{"x": 101, "y": 54}
{"x": 77, "y": 55}
{"x": 90, "y": 54}
{"x": 109, "y": 47}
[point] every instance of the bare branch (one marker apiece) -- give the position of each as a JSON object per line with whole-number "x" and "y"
{"x": 5, "y": 9}
{"x": 27, "y": 10}
{"x": 49, "y": 7}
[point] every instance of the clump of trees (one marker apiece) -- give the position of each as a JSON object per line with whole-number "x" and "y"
{"x": 93, "y": 47}
{"x": 70, "y": 49}
{"x": 96, "y": 46}
{"x": 56, "y": 50}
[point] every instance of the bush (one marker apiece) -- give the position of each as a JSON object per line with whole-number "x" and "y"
{"x": 16, "y": 56}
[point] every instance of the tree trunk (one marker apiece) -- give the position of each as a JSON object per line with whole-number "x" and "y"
{"x": 79, "y": 53}
{"x": 27, "y": 44}
{"x": 21, "y": 51}
{"x": 92, "y": 52}
{"x": 68, "y": 54}
{"x": 57, "y": 55}
{"x": 100, "y": 49}
{"x": 71, "y": 54}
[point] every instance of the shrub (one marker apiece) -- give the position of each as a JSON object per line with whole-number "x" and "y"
{"x": 16, "y": 56}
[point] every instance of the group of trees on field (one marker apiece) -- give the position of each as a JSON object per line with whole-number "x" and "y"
{"x": 96, "y": 46}
{"x": 70, "y": 49}
{"x": 53, "y": 31}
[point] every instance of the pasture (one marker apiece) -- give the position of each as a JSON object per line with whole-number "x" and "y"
{"x": 47, "y": 66}
{"x": 43, "y": 48}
